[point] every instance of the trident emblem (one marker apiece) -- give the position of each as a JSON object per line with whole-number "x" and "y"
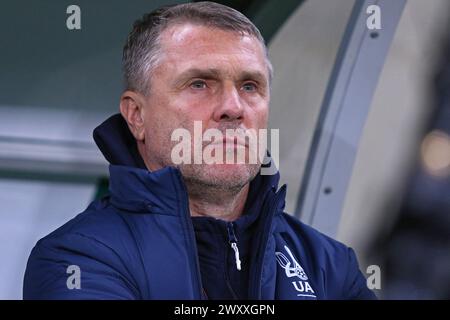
{"x": 291, "y": 267}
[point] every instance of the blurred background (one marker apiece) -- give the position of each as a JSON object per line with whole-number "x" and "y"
{"x": 377, "y": 178}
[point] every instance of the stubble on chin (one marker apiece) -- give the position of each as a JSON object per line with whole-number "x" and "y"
{"x": 230, "y": 179}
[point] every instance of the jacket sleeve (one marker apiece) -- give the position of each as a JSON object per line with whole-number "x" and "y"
{"x": 355, "y": 287}
{"x": 73, "y": 266}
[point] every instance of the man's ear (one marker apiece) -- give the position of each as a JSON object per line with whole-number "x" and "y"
{"x": 132, "y": 109}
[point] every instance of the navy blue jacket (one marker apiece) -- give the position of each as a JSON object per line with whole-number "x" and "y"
{"x": 139, "y": 242}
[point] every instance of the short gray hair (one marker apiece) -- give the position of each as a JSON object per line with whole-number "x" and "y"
{"x": 142, "y": 49}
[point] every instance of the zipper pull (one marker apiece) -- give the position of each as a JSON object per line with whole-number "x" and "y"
{"x": 233, "y": 242}
{"x": 236, "y": 255}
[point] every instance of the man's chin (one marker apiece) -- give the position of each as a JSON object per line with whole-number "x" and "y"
{"x": 222, "y": 175}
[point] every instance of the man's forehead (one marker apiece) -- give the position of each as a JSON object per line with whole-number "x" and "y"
{"x": 193, "y": 36}
{"x": 199, "y": 47}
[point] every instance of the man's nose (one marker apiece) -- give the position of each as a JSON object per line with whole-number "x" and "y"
{"x": 230, "y": 106}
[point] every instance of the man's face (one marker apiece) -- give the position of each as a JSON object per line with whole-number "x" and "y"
{"x": 210, "y": 75}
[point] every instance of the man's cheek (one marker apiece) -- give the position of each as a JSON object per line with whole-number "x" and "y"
{"x": 263, "y": 120}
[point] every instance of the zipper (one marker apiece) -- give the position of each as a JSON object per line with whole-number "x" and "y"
{"x": 256, "y": 272}
{"x": 232, "y": 240}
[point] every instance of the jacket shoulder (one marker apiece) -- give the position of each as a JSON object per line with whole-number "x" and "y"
{"x": 92, "y": 246}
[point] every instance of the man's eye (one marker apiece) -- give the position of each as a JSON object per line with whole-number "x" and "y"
{"x": 249, "y": 87}
{"x": 198, "y": 84}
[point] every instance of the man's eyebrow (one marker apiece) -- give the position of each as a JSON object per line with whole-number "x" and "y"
{"x": 208, "y": 73}
{"x": 257, "y": 76}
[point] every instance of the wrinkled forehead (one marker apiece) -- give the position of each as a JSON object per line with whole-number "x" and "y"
{"x": 206, "y": 46}
{"x": 188, "y": 33}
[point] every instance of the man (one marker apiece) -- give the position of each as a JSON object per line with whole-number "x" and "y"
{"x": 181, "y": 230}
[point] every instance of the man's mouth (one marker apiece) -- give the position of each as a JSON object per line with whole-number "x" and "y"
{"x": 234, "y": 141}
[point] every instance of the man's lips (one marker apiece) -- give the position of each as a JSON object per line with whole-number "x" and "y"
{"x": 232, "y": 142}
